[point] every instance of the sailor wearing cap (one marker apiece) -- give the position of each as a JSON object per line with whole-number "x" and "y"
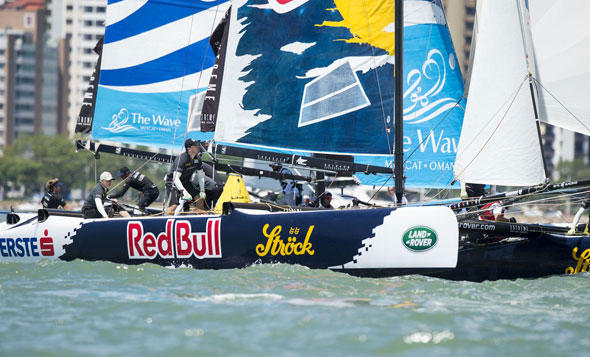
{"x": 52, "y": 197}
{"x": 179, "y": 177}
{"x": 94, "y": 204}
{"x": 148, "y": 190}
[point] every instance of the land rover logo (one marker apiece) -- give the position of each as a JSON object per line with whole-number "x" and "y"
{"x": 419, "y": 239}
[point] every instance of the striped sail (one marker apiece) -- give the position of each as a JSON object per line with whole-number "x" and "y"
{"x": 317, "y": 77}
{"x": 155, "y": 68}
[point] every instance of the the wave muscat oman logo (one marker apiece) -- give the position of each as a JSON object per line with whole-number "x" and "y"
{"x": 419, "y": 239}
{"x": 424, "y": 106}
{"x": 125, "y": 120}
{"x": 118, "y": 123}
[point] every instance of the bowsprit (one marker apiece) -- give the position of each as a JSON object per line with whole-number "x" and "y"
{"x": 177, "y": 241}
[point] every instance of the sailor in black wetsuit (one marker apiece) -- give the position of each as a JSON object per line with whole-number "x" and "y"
{"x": 179, "y": 177}
{"x": 148, "y": 190}
{"x": 213, "y": 185}
{"x": 52, "y": 197}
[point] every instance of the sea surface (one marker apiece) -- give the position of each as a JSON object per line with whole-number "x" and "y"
{"x": 101, "y": 308}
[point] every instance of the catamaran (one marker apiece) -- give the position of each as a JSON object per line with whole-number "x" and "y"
{"x": 324, "y": 81}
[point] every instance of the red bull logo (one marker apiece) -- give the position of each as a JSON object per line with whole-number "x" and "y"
{"x": 177, "y": 241}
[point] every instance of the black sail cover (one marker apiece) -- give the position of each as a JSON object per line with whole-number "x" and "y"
{"x": 84, "y": 122}
{"x": 218, "y": 41}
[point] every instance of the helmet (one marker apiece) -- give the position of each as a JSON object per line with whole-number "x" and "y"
{"x": 123, "y": 171}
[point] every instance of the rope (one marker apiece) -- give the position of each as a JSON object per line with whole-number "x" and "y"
{"x": 562, "y": 105}
{"x": 174, "y": 137}
{"x": 486, "y": 142}
{"x": 560, "y": 197}
{"x": 389, "y": 145}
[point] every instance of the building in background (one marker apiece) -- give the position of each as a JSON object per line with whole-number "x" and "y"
{"x": 31, "y": 81}
{"x": 461, "y": 18}
{"x": 82, "y": 27}
{"x": 22, "y": 27}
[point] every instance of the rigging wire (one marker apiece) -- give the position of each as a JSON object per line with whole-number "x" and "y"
{"x": 389, "y": 144}
{"x": 560, "y": 103}
{"x": 561, "y": 196}
{"x": 457, "y": 104}
{"x": 432, "y": 130}
{"x": 174, "y": 136}
{"x": 486, "y": 142}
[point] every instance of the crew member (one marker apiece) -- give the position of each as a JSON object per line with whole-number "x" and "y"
{"x": 148, "y": 192}
{"x": 179, "y": 177}
{"x": 326, "y": 200}
{"x": 94, "y": 204}
{"x": 391, "y": 192}
{"x": 474, "y": 190}
{"x": 291, "y": 193}
{"x": 52, "y": 197}
{"x": 491, "y": 211}
{"x": 494, "y": 211}
{"x": 213, "y": 184}
{"x": 578, "y": 216}
{"x": 308, "y": 201}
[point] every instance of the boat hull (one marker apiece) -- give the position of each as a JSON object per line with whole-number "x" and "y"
{"x": 369, "y": 242}
{"x": 527, "y": 258}
{"x": 363, "y": 238}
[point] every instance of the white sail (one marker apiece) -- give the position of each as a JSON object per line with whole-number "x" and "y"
{"x": 561, "y": 41}
{"x": 499, "y": 142}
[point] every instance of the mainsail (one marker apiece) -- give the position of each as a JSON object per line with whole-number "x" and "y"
{"x": 517, "y": 39}
{"x": 155, "y": 69}
{"x": 317, "y": 76}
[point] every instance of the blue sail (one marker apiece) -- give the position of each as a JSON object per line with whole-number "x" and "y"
{"x": 322, "y": 81}
{"x": 154, "y": 72}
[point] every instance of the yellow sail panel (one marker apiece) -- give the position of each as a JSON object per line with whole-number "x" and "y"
{"x": 370, "y": 22}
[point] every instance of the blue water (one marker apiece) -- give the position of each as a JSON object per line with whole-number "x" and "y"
{"x": 97, "y": 308}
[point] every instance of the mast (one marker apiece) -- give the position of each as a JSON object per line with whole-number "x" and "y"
{"x": 398, "y": 169}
